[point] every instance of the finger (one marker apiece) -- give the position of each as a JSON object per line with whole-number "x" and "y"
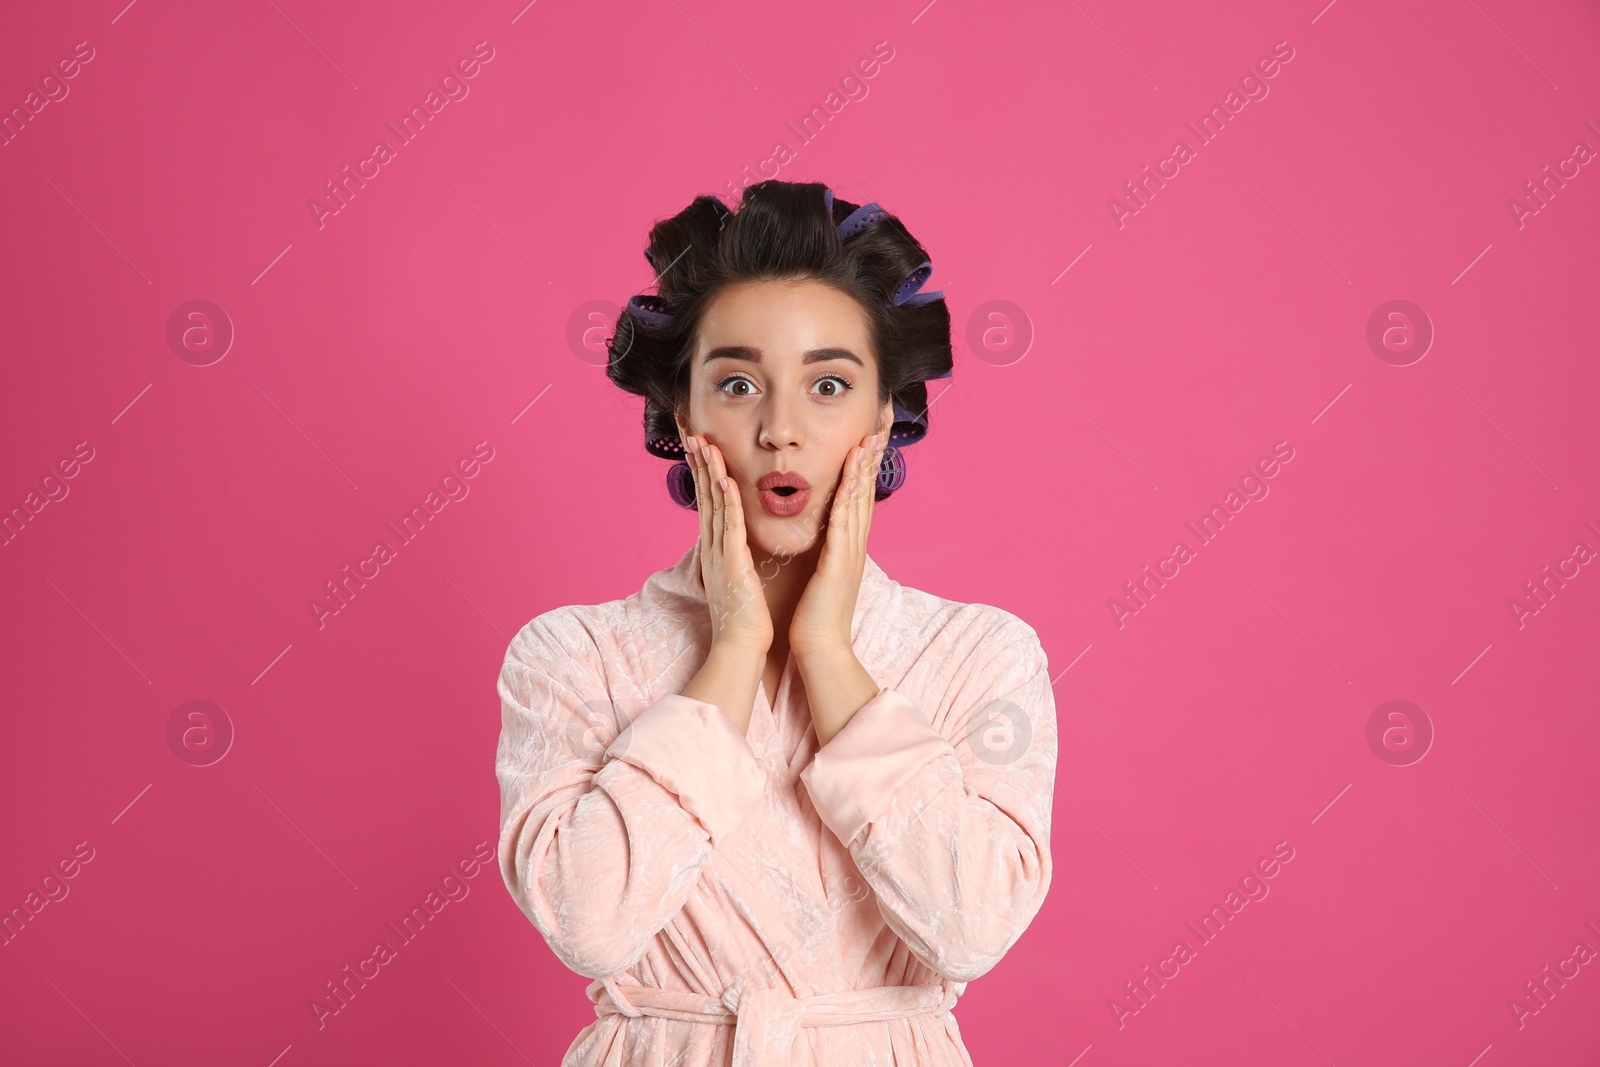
{"x": 839, "y": 501}
{"x": 730, "y": 494}
{"x": 734, "y": 543}
{"x": 846, "y": 544}
{"x": 719, "y": 519}
{"x": 689, "y": 461}
{"x": 709, "y": 564}
{"x": 861, "y": 492}
{"x": 733, "y": 551}
{"x": 869, "y": 504}
{"x": 735, "y": 516}
{"x": 702, "y": 496}
{"x": 862, "y": 510}
{"x": 702, "y": 491}
{"x": 869, "y": 501}
{"x": 733, "y": 473}
{"x": 864, "y": 518}
{"x": 865, "y": 476}
{"x": 840, "y": 504}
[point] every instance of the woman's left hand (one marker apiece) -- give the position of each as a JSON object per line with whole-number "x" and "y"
{"x": 826, "y": 609}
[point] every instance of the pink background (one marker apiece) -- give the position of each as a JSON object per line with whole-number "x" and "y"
{"x": 1133, "y": 376}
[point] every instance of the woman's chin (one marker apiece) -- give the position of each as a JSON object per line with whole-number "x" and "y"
{"x": 770, "y": 535}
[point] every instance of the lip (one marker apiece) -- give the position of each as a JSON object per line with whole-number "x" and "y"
{"x": 785, "y": 506}
{"x": 773, "y": 479}
{"x": 777, "y": 504}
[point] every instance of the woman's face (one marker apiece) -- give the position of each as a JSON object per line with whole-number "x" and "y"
{"x": 783, "y": 379}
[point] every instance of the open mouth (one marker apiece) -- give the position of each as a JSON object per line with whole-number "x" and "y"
{"x": 784, "y": 493}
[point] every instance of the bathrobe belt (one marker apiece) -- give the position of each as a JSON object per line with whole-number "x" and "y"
{"x": 767, "y": 1021}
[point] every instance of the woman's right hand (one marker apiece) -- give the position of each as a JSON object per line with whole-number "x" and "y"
{"x": 727, "y": 569}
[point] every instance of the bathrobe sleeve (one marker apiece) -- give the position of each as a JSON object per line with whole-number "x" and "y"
{"x": 605, "y": 824}
{"x": 950, "y": 825}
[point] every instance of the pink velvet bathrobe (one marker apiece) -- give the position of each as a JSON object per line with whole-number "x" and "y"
{"x": 749, "y": 899}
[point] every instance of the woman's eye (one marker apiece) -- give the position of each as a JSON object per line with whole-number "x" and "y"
{"x": 726, "y": 382}
{"x": 837, "y": 390}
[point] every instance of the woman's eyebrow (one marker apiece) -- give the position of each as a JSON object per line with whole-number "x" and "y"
{"x": 753, "y": 355}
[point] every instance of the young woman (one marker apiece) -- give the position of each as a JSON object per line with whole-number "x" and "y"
{"x": 779, "y": 806}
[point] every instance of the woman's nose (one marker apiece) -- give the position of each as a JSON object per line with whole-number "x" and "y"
{"x": 780, "y": 424}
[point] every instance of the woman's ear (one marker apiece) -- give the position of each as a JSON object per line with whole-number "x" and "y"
{"x": 886, "y": 417}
